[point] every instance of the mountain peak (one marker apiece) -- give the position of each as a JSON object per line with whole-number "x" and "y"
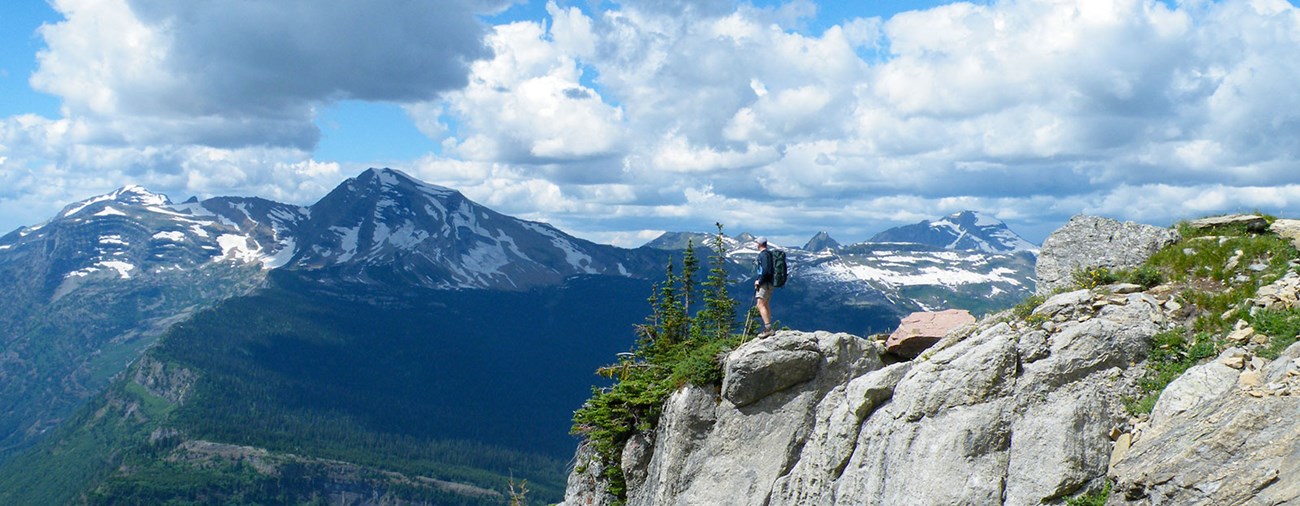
{"x": 963, "y": 230}
{"x": 131, "y": 195}
{"x": 138, "y": 195}
{"x": 972, "y": 219}
{"x": 395, "y": 179}
{"x": 820, "y": 242}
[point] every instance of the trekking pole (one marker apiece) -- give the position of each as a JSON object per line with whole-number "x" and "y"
{"x": 749, "y": 315}
{"x": 745, "y": 331}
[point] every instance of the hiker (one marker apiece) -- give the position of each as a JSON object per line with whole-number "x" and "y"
{"x": 764, "y": 268}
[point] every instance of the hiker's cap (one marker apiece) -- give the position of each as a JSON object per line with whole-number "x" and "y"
{"x": 760, "y": 241}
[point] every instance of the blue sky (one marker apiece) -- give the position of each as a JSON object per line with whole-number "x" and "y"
{"x": 618, "y": 121}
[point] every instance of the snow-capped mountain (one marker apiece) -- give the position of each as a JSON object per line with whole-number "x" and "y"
{"x": 89, "y": 289}
{"x": 133, "y": 232}
{"x": 384, "y": 226}
{"x": 966, "y": 230}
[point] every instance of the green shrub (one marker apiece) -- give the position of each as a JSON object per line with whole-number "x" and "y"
{"x": 1281, "y": 325}
{"x": 1093, "y": 277}
{"x": 1146, "y": 276}
{"x": 1025, "y": 308}
{"x": 1172, "y": 353}
{"x": 1097, "y": 498}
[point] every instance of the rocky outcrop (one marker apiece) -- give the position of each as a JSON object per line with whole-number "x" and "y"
{"x": 1224, "y": 431}
{"x": 920, "y": 330}
{"x": 1251, "y": 222}
{"x": 169, "y": 381}
{"x": 1220, "y": 441}
{"x": 731, "y": 449}
{"x": 1287, "y": 229}
{"x": 1091, "y": 241}
{"x": 1000, "y": 412}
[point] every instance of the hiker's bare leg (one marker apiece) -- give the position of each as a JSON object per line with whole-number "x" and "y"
{"x": 765, "y": 311}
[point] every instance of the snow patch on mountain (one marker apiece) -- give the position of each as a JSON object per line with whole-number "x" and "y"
{"x": 133, "y": 194}
{"x": 113, "y": 239}
{"x": 239, "y": 247}
{"x": 78, "y": 207}
{"x": 484, "y": 259}
{"x": 109, "y": 211}
{"x": 404, "y": 237}
{"x": 287, "y": 249}
{"x": 894, "y": 275}
{"x": 348, "y": 238}
{"x": 170, "y": 235}
{"x": 123, "y": 269}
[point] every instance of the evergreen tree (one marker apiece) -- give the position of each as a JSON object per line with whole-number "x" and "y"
{"x": 690, "y": 265}
{"x": 673, "y": 348}
{"x": 718, "y": 318}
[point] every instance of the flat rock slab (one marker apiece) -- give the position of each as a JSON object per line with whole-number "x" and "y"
{"x": 1253, "y": 222}
{"x": 921, "y": 330}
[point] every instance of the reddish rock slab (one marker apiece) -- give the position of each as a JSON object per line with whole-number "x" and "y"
{"x": 922, "y": 329}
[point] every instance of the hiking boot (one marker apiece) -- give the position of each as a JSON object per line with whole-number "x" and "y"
{"x": 766, "y": 333}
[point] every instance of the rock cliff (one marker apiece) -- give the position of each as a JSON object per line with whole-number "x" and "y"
{"x": 1224, "y": 432}
{"x": 1005, "y": 412}
{"x": 1016, "y": 409}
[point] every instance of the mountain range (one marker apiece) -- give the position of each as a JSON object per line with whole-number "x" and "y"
{"x": 390, "y": 314}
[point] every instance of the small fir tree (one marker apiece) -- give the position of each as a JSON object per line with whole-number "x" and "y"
{"x": 672, "y": 348}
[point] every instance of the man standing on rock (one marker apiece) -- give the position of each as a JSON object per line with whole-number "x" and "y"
{"x": 763, "y": 266}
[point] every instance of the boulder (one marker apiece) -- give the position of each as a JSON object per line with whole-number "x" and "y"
{"x": 1089, "y": 242}
{"x": 768, "y": 366}
{"x": 1287, "y": 229}
{"x": 922, "y": 329}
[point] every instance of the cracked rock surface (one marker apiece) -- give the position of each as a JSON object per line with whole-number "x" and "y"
{"x": 1000, "y": 412}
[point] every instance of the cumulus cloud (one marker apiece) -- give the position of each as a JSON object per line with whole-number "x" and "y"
{"x": 241, "y": 73}
{"x": 616, "y": 120}
{"x": 1029, "y": 110}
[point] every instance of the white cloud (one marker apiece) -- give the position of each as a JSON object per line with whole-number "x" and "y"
{"x": 237, "y": 74}
{"x": 1029, "y": 110}
{"x": 528, "y": 104}
{"x": 613, "y": 120}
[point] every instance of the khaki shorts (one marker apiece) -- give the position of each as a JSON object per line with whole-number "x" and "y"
{"x": 763, "y": 292}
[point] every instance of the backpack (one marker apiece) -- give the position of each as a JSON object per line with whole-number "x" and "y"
{"x": 779, "y": 272}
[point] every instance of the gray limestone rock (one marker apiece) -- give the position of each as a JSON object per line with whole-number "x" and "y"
{"x": 1199, "y": 384}
{"x": 769, "y": 365}
{"x": 584, "y": 486}
{"x": 1091, "y": 241}
{"x": 738, "y": 456}
{"x": 1232, "y": 446}
{"x": 972, "y": 422}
